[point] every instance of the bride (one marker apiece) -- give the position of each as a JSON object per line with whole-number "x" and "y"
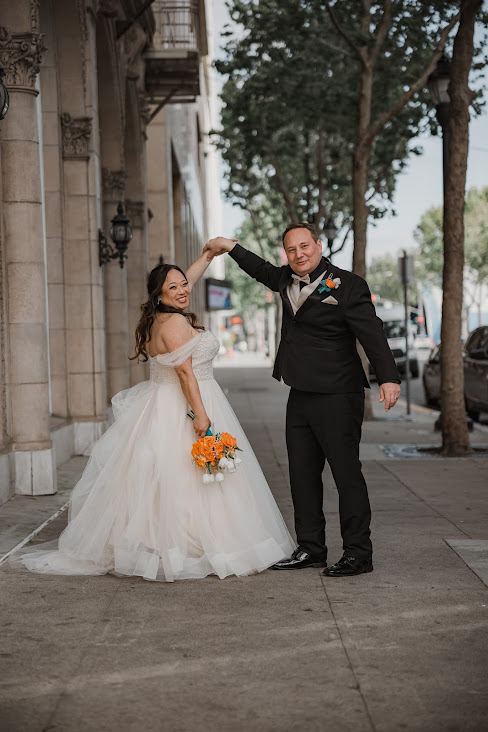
{"x": 141, "y": 507}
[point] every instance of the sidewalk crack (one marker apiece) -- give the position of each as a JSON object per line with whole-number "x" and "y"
{"x": 348, "y": 658}
{"x": 83, "y": 653}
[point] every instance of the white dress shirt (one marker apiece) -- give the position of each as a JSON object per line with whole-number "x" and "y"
{"x": 296, "y": 296}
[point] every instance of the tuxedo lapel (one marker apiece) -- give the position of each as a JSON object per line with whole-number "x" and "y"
{"x": 313, "y": 294}
{"x": 314, "y": 297}
{"x": 308, "y": 290}
{"x": 284, "y": 293}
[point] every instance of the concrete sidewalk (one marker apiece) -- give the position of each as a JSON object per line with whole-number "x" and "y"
{"x": 403, "y": 648}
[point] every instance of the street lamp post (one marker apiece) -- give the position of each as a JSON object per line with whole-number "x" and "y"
{"x": 330, "y": 231}
{"x": 438, "y": 84}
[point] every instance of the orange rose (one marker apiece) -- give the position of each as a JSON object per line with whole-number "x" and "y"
{"x": 219, "y": 449}
{"x": 197, "y": 455}
{"x": 330, "y": 284}
{"x": 228, "y": 440}
{"x": 208, "y": 442}
{"x": 196, "y": 452}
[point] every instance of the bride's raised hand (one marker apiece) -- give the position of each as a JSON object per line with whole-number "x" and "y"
{"x": 219, "y": 245}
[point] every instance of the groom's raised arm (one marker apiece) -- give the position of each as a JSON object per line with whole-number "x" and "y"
{"x": 262, "y": 271}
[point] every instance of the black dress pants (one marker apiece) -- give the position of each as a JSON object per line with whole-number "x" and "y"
{"x": 322, "y": 427}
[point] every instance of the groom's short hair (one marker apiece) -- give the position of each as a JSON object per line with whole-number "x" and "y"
{"x": 301, "y": 225}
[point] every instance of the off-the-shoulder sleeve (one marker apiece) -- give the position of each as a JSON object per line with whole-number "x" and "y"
{"x": 179, "y": 355}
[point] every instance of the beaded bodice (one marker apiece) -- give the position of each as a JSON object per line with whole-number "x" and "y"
{"x": 203, "y": 355}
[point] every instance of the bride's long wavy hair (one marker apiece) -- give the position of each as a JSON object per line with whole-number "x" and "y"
{"x": 153, "y": 306}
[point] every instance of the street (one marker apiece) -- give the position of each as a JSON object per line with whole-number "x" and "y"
{"x": 403, "y": 648}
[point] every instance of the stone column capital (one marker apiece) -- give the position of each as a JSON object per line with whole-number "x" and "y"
{"x": 76, "y": 135}
{"x": 144, "y": 108}
{"x": 135, "y": 210}
{"x": 109, "y": 8}
{"x": 113, "y": 182}
{"x": 21, "y": 56}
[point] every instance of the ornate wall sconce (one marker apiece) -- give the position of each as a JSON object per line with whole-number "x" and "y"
{"x": 4, "y": 97}
{"x": 121, "y": 234}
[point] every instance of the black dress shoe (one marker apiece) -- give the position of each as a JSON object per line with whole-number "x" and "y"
{"x": 348, "y": 566}
{"x": 299, "y": 560}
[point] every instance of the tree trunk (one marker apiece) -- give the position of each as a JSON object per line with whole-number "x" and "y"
{"x": 360, "y": 180}
{"x": 455, "y": 437}
{"x": 360, "y": 177}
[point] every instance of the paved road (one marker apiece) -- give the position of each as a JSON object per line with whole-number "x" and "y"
{"x": 403, "y": 649}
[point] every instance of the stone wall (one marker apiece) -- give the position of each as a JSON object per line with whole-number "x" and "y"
{"x": 81, "y": 135}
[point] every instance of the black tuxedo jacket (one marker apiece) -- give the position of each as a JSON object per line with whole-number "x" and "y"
{"x": 318, "y": 351}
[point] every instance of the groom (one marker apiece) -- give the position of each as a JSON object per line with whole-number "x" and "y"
{"x": 324, "y": 310}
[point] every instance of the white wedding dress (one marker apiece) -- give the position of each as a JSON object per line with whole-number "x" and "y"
{"x": 141, "y": 507}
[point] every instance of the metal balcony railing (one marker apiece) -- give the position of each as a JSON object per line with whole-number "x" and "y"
{"x": 177, "y": 26}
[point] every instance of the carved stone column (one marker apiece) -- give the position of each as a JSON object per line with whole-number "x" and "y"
{"x": 160, "y": 191}
{"x": 73, "y": 30}
{"x": 21, "y": 47}
{"x": 84, "y": 313}
{"x": 116, "y": 297}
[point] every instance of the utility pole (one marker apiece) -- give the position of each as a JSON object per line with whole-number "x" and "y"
{"x": 405, "y": 272}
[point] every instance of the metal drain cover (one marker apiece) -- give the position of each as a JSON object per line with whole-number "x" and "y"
{"x": 421, "y": 452}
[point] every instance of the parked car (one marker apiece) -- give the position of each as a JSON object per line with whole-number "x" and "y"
{"x": 476, "y": 372}
{"x": 394, "y": 327}
{"x": 421, "y": 342}
{"x": 431, "y": 378}
{"x": 475, "y": 361}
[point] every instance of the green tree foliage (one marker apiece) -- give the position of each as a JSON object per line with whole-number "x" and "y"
{"x": 476, "y": 234}
{"x": 262, "y": 235}
{"x": 383, "y": 280}
{"x": 295, "y": 112}
{"x": 429, "y": 237}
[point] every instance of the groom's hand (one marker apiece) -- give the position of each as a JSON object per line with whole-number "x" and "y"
{"x": 389, "y": 394}
{"x": 219, "y": 245}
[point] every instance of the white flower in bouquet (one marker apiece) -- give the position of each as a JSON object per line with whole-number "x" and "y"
{"x": 219, "y": 477}
{"x": 208, "y": 478}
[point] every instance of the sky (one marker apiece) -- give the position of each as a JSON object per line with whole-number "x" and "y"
{"x": 418, "y": 188}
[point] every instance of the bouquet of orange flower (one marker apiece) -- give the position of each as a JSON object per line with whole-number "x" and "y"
{"x": 216, "y": 454}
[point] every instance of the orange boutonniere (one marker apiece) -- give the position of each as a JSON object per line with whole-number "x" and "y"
{"x": 329, "y": 283}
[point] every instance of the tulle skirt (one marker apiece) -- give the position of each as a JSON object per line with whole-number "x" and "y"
{"x": 141, "y": 507}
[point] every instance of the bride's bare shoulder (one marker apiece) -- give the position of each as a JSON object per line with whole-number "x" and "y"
{"x": 174, "y": 330}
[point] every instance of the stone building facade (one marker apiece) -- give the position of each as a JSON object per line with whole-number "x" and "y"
{"x": 110, "y": 101}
